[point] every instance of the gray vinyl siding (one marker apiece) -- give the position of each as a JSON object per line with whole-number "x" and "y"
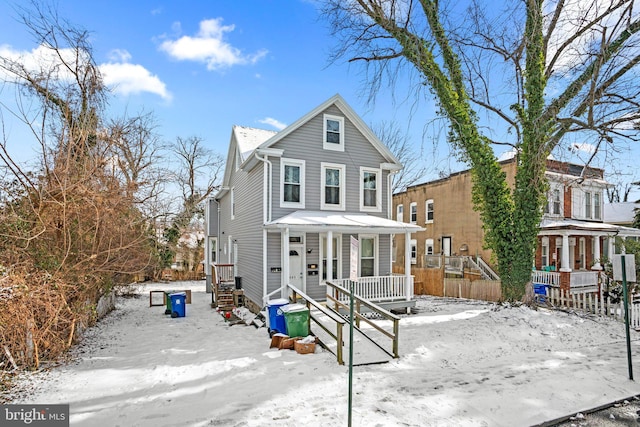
{"x": 212, "y": 219}
{"x": 305, "y": 144}
{"x": 245, "y": 229}
{"x": 274, "y": 279}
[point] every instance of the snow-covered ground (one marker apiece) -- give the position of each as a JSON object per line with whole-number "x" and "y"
{"x": 463, "y": 363}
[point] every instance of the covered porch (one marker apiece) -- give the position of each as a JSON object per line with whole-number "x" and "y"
{"x": 315, "y": 247}
{"x": 570, "y": 253}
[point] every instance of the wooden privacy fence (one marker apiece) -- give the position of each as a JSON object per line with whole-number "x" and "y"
{"x": 590, "y": 302}
{"x": 486, "y": 290}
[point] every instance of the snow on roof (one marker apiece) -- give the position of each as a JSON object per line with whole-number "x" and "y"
{"x": 548, "y": 224}
{"x": 314, "y": 220}
{"x": 249, "y": 139}
{"x": 620, "y": 213}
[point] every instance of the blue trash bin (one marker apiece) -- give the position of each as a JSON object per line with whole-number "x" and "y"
{"x": 540, "y": 291}
{"x": 178, "y": 304}
{"x": 276, "y": 316}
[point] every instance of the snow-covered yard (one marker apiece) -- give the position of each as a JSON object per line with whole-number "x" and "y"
{"x": 463, "y": 363}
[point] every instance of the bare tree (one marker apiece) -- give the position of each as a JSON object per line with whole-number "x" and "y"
{"x": 414, "y": 167}
{"x": 546, "y": 74}
{"x": 71, "y": 226}
{"x": 197, "y": 176}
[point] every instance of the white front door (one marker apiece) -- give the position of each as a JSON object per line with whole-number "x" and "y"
{"x": 296, "y": 270}
{"x": 446, "y": 246}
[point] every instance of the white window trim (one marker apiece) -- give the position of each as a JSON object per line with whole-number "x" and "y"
{"x": 428, "y": 243}
{"x": 338, "y": 237}
{"x": 414, "y": 251}
{"x": 343, "y": 170}
{"x": 400, "y": 213}
{"x": 411, "y": 206}
{"x": 426, "y": 211}
{"x": 376, "y": 254}
{"x": 292, "y": 162}
{"x": 378, "y": 206}
{"x": 332, "y": 145}
{"x": 544, "y": 244}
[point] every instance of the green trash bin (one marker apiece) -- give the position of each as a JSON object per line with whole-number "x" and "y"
{"x": 167, "y": 299}
{"x": 296, "y": 318}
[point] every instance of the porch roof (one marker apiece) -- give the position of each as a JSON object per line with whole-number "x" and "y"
{"x": 320, "y": 221}
{"x": 551, "y": 226}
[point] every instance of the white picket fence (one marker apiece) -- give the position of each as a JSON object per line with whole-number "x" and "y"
{"x": 591, "y": 302}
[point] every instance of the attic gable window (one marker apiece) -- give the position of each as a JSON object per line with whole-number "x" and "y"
{"x": 333, "y": 133}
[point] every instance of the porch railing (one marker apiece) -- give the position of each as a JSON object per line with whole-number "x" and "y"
{"x": 550, "y": 278}
{"x": 583, "y": 281}
{"x": 380, "y": 288}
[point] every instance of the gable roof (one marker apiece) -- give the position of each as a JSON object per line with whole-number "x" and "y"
{"x": 349, "y": 113}
{"x": 248, "y": 139}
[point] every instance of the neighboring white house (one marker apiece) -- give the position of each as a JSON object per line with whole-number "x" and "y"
{"x": 621, "y": 213}
{"x": 291, "y": 200}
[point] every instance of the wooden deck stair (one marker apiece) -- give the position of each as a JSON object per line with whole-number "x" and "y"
{"x": 225, "y": 298}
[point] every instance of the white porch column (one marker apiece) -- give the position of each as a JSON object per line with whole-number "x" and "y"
{"x": 285, "y": 263}
{"x": 596, "y": 253}
{"x": 329, "y": 256}
{"x": 565, "y": 253}
{"x": 407, "y": 265}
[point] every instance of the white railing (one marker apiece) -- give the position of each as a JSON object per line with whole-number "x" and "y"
{"x": 550, "y": 278}
{"x": 380, "y": 288}
{"x": 486, "y": 270}
{"x": 583, "y": 281}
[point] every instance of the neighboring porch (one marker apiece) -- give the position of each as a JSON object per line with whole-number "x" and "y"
{"x": 574, "y": 282}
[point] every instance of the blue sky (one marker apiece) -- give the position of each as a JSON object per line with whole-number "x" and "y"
{"x": 203, "y": 66}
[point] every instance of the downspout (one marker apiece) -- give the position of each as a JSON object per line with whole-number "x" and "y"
{"x": 266, "y": 216}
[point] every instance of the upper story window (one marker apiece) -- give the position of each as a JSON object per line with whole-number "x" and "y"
{"x": 413, "y": 213}
{"x": 332, "y": 186}
{"x": 333, "y": 133}
{"x": 370, "y": 190}
{"x": 597, "y": 209}
{"x": 291, "y": 183}
{"x": 556, "y": 201}
{"x": 554, "y": 204}
{"x": 592, "y": 204}
{"x": 587, "y": 205}
{"x": 429, "y": 211}
{"x": 400, "y": 213}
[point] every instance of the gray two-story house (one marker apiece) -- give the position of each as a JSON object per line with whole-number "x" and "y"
{"x": 291, "y": 200}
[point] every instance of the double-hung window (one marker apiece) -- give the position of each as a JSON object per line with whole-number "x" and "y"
{"x": 370, "y": 190}
{"x": 414, "y": 251}
{"x": 400, "y": 213}
{"x": 429, "y": 211}
{"x": 596, "y": 206}
{"x": 333, "y": 131}
{"x": 368, "y": 256}
{"x": 292, "y": 183}
{"x": 428, "y": 247}
{"x": 556, "y": 202}
{"x": 587, "y": 205}
{"x": 332, "y": 186}
{"x": 335, "y": 255}
{"x": 413, "y": 212}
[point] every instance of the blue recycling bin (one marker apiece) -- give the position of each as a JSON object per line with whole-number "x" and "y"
{"x": 540, "y": 290}
{"x": 276, "y": 317}
{"x": 178, "y": 304}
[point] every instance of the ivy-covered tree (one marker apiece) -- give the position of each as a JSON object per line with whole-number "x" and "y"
{"x": 545, "y": 70}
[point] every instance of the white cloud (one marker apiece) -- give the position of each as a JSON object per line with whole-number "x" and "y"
{"x": 127, "y": 79}
{"x": 209, "y": 47}
{"x": 273, "y": 122}
{"x": 119, "y": 74}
